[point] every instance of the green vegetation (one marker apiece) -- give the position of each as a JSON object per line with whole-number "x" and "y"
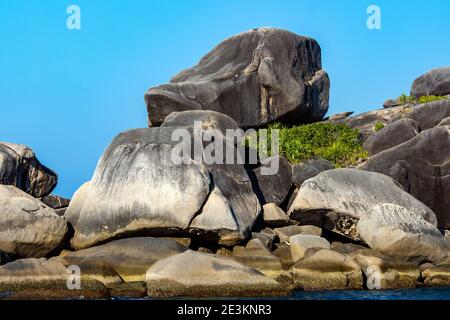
{"x": 337, "y": 143}
{"x": 404, "y": 99}
{"x": 378, "y": 126}
{"x": 426, "y": 99}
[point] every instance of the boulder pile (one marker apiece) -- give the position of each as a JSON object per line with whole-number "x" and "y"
{"x": 180, "y": 209}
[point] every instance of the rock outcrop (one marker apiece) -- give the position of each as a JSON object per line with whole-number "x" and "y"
{"x": 19, "y": 167}
{"x": 421, "y": 166}
{"x": 142, "y": 186}
{"x": 28, "y": 228}
{"x": 336, "y": 199}
{"x": 327, "y": 270}
{"x": 391, "y": 135}
{"x": 435, "y": 82}
{"x": 255, "y": 77}
{"x": 128, "y": 258}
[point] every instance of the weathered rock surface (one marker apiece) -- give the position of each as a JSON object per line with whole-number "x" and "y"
{"x": 435, "y": 82}
{"x": 429, "y": 115}
{"x": 398, "y": 232}
{"x": 309, "y": 169}
{"x": 421, "y": 165}
{"x": 130, "y": 258}
{"x": 301, "y": 243}
{"x": 327, "y": 270}
{"x": 201, "y": 274}
{"x": 391, "y": 135}
{"x": 140, "y": 188}
{"x": 444, "y": 122}
{"x": 283, "y": 252}
{"x": 346, "y": 248}
{"x": 19, "y": 167}
{"x": 437, "y": 275}
{"x": 43, "y": 275}
{"x": 256, "y": 255}
{"x": 28, "y": 228}
{"x": 272, "y": 186}
{"x": 267, "y": 236}
{"x": 208, "y": 120}
{"x": 254, "y": 77}
{"x": 382, "y": 272}
{"x": 274, "y": 217}
{"x": 285, "y": 233}
{"x": 338, "y": 198}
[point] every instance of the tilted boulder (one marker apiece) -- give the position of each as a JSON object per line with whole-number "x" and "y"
{"x": 202, "y": 274}
{"x": 28, "y": 228}
{"x": 421, "y": 165}
{"x": 336, "y": 199}
{"x": 19, "y": 167}
{"x": 141, "y": 186}
{"x": 255, "y": 77}
{"x": 400, "y": 233}
{"x": 300, "y": 243}
{"x": 391, "y": 135}
{"x": 435, "y": 82}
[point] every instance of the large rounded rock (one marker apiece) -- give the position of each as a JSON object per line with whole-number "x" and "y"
{"x": 202, "y": 274}
{"x": 129, "y": 258}
{"x": 28, "y": 228}
{"x": 309, "y": 169}
{"x": 254, "y": 77}
{"x": 429, "y": 115}
{"x": 392, "y": 135}
{"x": 421, "y": 165}
{"x": 435, "y": 82}
{"x": 397, "y": 232}
{"x": 274, "y": 185}
{"x": 19, "y": 167}
{"x": 338, "y": 198}
{"x": 141, "y": 186}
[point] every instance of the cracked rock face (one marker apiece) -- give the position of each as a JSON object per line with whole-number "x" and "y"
{"x": 19, "y": 167}
{"x": 138, "y": 189}
{"x": 28, "y": 228}
{"x": 336, "y": 199}
{"x": 254, "y": 77}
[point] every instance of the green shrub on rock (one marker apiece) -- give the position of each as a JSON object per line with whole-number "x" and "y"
{"x": 337, "y": 143}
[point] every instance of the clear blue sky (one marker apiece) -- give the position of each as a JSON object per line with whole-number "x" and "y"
{"x": 67, "y": 93}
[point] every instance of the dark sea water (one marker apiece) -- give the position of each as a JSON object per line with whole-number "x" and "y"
{"x": 442, "y": 293}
